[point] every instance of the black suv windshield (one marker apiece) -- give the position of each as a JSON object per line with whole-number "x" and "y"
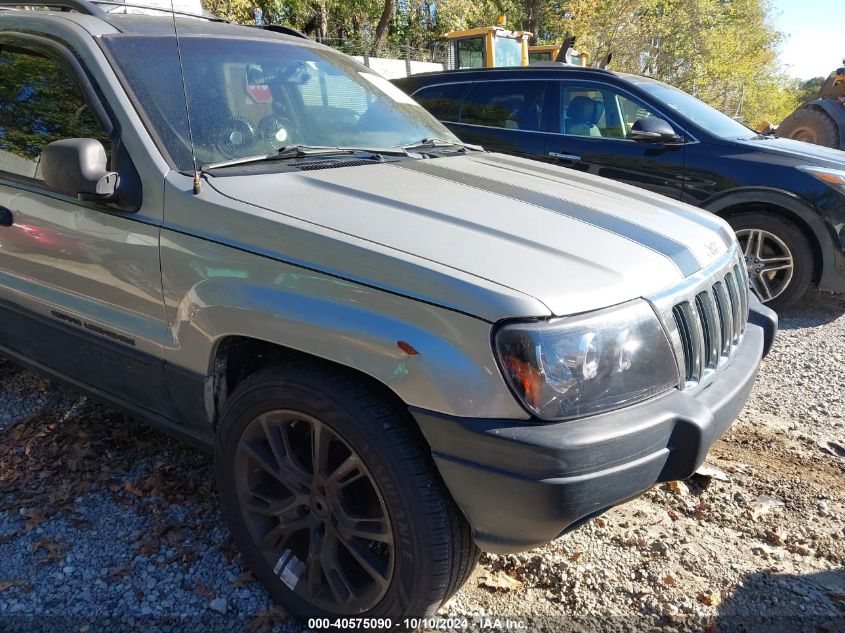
{"x": 251, "y": 96}
{"x": 697, "y": 111}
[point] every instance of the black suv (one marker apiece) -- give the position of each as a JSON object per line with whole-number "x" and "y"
{"x": 784, "y": 199}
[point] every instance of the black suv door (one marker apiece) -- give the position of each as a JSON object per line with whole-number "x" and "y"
{"x": 593, "y": 123}
{"x": 503, "y": 116}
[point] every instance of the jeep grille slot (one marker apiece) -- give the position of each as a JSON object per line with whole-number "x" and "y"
{"x": 706, "y": 323}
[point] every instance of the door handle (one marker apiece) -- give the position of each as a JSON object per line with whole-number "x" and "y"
{"x": 570, "y": 157}
{"x": 6, "y": 218}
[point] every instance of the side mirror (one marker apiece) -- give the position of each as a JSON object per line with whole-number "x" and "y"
{"x": 77, "y": 167}
{"x": 653, "y": 130}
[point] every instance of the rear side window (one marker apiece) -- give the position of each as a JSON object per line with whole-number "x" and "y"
{"x": 512, "y": 105}
{"x": 444, "y": 101}
{"x": 40, "y": 102}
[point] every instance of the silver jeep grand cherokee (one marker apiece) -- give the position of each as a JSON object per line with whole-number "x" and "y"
{"x": 401, "y": 348}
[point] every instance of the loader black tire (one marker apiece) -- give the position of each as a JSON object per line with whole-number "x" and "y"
{"x": 811, "y": 125}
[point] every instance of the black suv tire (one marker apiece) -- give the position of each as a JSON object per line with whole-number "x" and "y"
{"x": 430, "y": 553}
{"x": 792, "y": 239}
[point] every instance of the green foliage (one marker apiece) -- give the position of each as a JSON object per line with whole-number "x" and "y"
{"x": 723, "y": 51}
{"x": 809, "y": 89}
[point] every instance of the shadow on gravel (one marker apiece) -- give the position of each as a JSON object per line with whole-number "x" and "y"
{"x": 813, "y": 310}
{"x": 785, "y": 603}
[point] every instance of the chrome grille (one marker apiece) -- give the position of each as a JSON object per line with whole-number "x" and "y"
{"x": 706, "y": 318}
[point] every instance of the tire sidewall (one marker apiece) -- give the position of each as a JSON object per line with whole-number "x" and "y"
{"x": 814, "y": 120}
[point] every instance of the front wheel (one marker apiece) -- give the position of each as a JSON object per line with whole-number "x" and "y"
{"x": 333, "y": 499}
{"x": 778, "y": 257}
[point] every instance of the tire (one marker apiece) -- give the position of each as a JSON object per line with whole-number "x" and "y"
{"x": 430, "y": 554}
{"x": 811, "y": 125}
{"x": 779, "y": 234}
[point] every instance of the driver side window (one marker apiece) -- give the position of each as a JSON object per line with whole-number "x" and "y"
{"x": 598, "y": 111}
{"x": 40, "y": 102}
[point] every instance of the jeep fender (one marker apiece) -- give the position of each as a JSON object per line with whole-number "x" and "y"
{"x": 453, "y": 372}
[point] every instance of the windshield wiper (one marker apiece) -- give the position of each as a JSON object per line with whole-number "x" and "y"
{"x": 430, "y": 143}
{"x": 309, "y": 151}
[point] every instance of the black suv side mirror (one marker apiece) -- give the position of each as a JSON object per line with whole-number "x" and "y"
{"x": 77, "y": 167}
{"x": 653, "y": 130}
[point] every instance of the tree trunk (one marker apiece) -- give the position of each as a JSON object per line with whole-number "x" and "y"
{"x": 534, "y": 8}
{"x": 381, "y": 27}
{"x": 322, "y": 19}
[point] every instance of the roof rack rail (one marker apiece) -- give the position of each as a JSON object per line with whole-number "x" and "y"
{"x": 94, "y": 8}
{"x": 81, "y": 6}
{"x": 205, "y": 15}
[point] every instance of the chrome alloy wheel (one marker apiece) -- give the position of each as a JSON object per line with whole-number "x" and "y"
{"x": 315, "y": 511}
{"x": 768, "y": 260}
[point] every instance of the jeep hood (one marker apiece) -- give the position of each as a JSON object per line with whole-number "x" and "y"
{"x": 572, "y": 241}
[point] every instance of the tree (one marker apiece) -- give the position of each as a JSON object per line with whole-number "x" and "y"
{"x": 381, "y": 27}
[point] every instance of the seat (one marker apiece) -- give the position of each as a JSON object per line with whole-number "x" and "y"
{"x": 582, "y": 115}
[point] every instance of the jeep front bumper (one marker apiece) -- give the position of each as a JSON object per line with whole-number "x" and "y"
{"x": 521, "y": 483}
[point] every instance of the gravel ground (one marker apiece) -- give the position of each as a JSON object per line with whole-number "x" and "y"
{"x": 108, "y": 525}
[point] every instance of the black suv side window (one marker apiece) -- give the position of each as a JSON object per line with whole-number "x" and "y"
{"x": 443, "y": 101}
{"x": 599, "y": 111}
{"x": 40, "y": 102}
{"x": 512, "y": 105}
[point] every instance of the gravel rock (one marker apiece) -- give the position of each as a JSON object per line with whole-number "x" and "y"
{"x": 219, "y": 605}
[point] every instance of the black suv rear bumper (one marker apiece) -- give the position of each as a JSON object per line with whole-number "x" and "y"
{"x": 523, "y": 483}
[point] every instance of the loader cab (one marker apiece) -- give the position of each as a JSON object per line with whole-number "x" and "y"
{"x": 485, "y": 47}
{"x": 550, "y": 53}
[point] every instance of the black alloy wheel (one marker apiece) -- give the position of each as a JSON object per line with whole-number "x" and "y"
{"x": 316, "y": 511}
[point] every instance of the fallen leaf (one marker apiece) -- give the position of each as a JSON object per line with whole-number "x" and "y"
{"x": 149, "y": 547}
{"x": 34, "y": 518}
{"x": 669, "y": 580}
{"x": 119, "y": 571}
{"x": 678, "y": 488}
{"x": 801, "y": 550}
{"x": 246, "y": 578}
{"x": 762, "y": 505}
{"x": 600, "y": 522}
{"x": 498, "y": 581}
{"x": 204, "y": 590}
{"x": 672, "y": 515}
{"x": 710, "y": 598}
{"x": 712, "y": 472}
{"x": 265, "y": 620}
{"x": 7, "y": 584}
{"x": 575, "y": 556}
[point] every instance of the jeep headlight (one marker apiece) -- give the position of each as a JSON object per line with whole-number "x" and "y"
{"x": 598, "y": 361}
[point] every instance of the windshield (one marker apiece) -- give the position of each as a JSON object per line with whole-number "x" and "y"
{"x": 249, "y": 96}
{"x": 710, "y": 119}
